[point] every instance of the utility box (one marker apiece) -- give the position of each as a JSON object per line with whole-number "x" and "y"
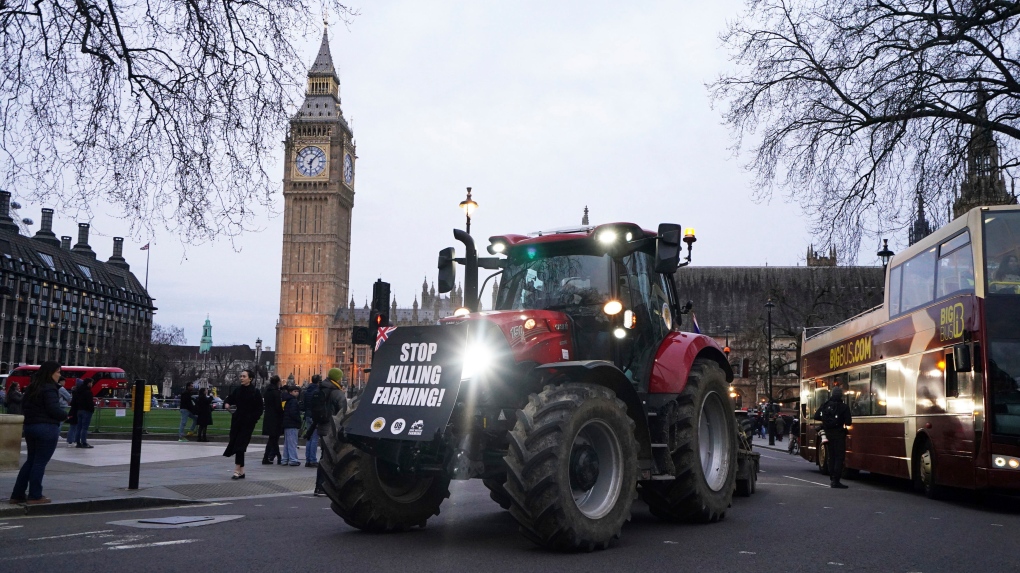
{"x": 10, "y": 440}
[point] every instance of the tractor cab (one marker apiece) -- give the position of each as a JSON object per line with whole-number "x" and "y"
{"x": 604, "y": 279}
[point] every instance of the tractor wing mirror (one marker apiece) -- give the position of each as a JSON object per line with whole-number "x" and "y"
{"x": 447, "y": 270}
{"x": 667, "y": 248}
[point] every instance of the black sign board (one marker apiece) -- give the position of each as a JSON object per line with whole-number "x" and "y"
{"x": 413, "y": 385}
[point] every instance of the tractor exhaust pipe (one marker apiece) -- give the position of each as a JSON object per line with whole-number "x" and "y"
{"x": 470, "y": 262}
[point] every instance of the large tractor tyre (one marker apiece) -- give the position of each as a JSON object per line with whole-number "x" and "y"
{"x": 497, "y": 491}
{"x": 572, "y": 467}
{"x": 702, "y": 439}
{"x": 371, "y": 495}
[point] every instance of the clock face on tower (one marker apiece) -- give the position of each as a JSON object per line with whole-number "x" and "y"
{"x": 311, "y": 161}
{"x": 348, "y": 168}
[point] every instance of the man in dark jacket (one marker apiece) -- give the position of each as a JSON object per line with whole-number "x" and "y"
{"x": 83, "y": 402}
{"x": 291, "y": 425}
{"x": 835, "y": 417}
{"x": 335, "y": 398}
{"x": 312, "y": 436}
{"x": 41, "y": 429}
{"x": 272, "y": 423}
{"x": 187, "y": 412}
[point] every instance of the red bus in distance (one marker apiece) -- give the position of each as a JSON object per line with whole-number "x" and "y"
{"x": 110, "y": 385}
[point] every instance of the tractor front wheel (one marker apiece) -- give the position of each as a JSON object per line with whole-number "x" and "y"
{"x": 372, "y": 495}
{"x": 572, "y": 467}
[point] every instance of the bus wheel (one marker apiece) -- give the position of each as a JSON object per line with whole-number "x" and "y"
{"x": 822, "y": 459}
{"x": 925, "y": 472}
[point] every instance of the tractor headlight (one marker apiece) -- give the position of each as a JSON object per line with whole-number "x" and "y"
{"x": 478, "y": 358}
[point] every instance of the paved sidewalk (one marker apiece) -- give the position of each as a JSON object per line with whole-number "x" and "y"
{"x": 171, "y": 472}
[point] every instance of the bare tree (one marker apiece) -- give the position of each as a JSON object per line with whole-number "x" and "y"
{"x": 853, "y": 107}
{"x": 167, "y": 110}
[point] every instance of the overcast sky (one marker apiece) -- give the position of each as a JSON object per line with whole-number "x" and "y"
{"x": 541, "y": 107}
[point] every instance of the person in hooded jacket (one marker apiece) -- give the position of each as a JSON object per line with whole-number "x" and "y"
{"x": 835, "y": 417}
{"x": 84, "y": 403}
{"x": 272, "y": 424}
{"x": 291, "y": 425}
{"x": 248, "y": 408}
{"x": 41, "y": 428}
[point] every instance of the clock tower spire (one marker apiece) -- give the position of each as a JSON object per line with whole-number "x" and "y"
{"x": 318, "y": 192}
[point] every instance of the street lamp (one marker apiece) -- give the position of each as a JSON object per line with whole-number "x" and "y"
{"x": 885, "y": 254}
{"x": 258, "y": 356}
{"x": 771, "y": 418}
{"x": 468, "y": 206}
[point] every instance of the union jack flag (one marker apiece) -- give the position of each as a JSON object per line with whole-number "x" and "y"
{"x": 382, "y": 334}
{"x": 694, "y": 324}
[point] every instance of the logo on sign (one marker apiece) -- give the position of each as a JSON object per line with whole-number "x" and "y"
{"x": 516, "y": 332}
{"x": 416, "y": 428}
{"x": 398, "y": 426}
{"x": 378, "y": 424}
{"x": 951, "y": 322}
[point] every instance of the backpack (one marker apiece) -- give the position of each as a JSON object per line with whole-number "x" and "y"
{"x": 830, "y": 415}
{"x": 318, "y": 405}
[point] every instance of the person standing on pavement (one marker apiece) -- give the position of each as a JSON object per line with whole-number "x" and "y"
{"x": 41, "y": 428}
{"x": 334, "y": 398}
{"x": 291, "y": 425}
{"x": 248, "y": 408}
{"x": 13, "y": 400}
{"x": 312, "y": 435}
{"x": 835, "y": 417}
{"x": 780, "y": 427}
{"x": 187, "y": 412}
{"x": 272, "y": 424}
{"x": 83, "y": 402}
{"x": 203, "y": 414}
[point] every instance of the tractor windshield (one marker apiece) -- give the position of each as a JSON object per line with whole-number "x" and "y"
{"x": 555, "y": 282}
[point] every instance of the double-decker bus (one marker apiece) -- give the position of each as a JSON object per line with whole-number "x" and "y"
{"x": 110, "y": 385}
{"x": 932, "y": 377}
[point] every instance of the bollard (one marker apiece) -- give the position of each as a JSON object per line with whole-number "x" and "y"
{"x": 10, "y": 440}
{"x": 138, "y": 405}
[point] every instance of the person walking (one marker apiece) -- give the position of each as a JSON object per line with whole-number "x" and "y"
{"x": 203, "y": 414}
{"x": 187, "y": 412}
{"x": 13, "y": 400}
{"x": 333, "y": 403}
{"x": 311, "y": 393}
{"x": 835, "y": 417}
{"x": 272, "y": 424}
{"x": 65, "y": 402}
{"x": 41, "y": 428}
{"x": 83, "y": 402}
{"x": 248, "y": 408}
{"x": 780, "y": 428}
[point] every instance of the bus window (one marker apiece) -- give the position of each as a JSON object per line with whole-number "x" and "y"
{"x": 859, "y": 393}
{"x": 879, "y": 399}
{"x": 931, "y": 384}
{"x": 1002, "y": 252}
{"x": 1003, "y": 377}
{"x": 894, "y": 290}
{"x": 956, "y": 266}
{"x": 918, "y": 280}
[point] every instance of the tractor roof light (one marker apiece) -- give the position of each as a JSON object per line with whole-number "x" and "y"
{"x": 462, "y": 311}
{"x": 689, "y": 237}
{"x": 607, "y": 237}
{"x": 612, "y": 307}
{"x": 497, "y": 247}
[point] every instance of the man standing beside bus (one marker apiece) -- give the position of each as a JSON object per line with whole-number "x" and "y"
{"x": 835, "y": 417}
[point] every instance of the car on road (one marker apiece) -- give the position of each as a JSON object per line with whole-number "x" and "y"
{"x": 217, "y": 403}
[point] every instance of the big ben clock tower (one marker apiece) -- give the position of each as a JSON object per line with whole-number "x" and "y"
{"x": 318, "y": 196}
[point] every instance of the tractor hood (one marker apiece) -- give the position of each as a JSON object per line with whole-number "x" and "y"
{"x": 537, "y": 336}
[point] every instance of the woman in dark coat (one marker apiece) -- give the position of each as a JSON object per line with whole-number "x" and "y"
{"x": 248, "y": 407}
{"x": 203, "y": 409}
{"x": 43, "y": 416}
{"x": 13, "y": 399}
{"x": 272, "y": 425}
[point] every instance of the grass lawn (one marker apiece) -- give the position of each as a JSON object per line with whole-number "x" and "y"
{"x": 157, "y": 421}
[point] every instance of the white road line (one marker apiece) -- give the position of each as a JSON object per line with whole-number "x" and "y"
{"x": 3, "y": 527}
{"x": 70, "y": 535}
{"x": 807, "y": 481}
{"x": 57, "y": 554}
{"x": 155, "y": 544}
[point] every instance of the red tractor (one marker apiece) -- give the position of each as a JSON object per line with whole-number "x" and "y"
{"x": 576, "y": 394}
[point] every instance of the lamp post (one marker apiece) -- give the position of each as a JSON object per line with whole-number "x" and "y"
{"x": 885, "y": 254}
{"x": 468, "y": 206}
{"x": 258, "y": 356}
{"x": 771, "y": 416}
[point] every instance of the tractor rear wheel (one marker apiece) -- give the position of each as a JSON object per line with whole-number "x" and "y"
{"x": 702, "y": 440}
{"x": 572, "y": 467}
{"x": 371, "y": 494}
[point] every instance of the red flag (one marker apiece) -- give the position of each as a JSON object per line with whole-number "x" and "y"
{"x": 145, "y": 248}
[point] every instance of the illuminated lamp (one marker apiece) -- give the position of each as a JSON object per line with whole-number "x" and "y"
{"x": 612, "y": 307}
